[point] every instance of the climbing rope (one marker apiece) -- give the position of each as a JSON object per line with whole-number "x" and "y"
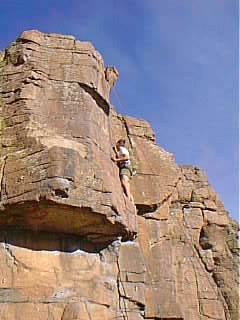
{"x": 118, "y": 98}
{"x": 125, "y": 123}
{"x": 112, "y": 144}
{"x": 110, "y": 132}
{"x": 131, "y": 143}
{"x": 110, "y": 135}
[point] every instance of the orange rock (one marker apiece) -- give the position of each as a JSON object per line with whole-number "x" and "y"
{"x": 72, "y": 246}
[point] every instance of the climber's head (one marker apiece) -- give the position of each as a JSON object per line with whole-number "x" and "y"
{"x": 120, "y": 143}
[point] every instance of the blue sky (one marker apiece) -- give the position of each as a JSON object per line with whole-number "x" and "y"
{"x": 178, "y": 65}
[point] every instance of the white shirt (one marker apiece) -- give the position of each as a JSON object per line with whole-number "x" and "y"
{"x": 124, "y": 152}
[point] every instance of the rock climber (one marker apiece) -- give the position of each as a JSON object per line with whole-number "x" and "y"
{"x": 122, "y": 159}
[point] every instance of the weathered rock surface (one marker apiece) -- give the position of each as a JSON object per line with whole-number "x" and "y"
{"x": 67, "y": 245}
{"x": 55, "y": 141}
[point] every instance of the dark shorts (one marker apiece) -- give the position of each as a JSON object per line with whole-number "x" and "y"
{"x": 125, "y": 172}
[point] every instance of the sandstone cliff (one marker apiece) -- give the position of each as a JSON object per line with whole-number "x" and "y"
{"x": 72, "y": 246}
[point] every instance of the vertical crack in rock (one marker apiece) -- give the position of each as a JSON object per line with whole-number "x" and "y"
{"x": 197, "y": 285}
{"x": 205, "y": 270}
{"x": 216, "y": 290}
{"x": 3, "y": 161}
{"x": 119, "y": 283}
{"x": 86, "y": 307}
{"x": 63, "y": 312}
{"x": 117, "y": 247}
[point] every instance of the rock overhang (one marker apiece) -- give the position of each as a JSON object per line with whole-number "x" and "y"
{"x": 55, "y": 139}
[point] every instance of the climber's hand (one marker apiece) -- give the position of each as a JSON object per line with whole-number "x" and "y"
{"x": 114, "y": 159}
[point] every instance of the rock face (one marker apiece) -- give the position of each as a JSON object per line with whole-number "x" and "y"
{"x": 72, "y": 246}
{"x": 55, "y": 147}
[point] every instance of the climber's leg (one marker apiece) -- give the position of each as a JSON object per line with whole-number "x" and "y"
{"x": 126, "y": 186}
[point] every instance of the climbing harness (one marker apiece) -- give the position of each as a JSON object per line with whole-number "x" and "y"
{"x": 123, "y": 165}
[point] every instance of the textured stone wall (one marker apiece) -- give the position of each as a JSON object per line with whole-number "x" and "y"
{"x": 189, "y": 242}
{"x": 55, "y": 141}
{"x": 72, "y": 246}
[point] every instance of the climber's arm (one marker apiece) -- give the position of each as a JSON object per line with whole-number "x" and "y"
{"x": 123, "y": 158}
